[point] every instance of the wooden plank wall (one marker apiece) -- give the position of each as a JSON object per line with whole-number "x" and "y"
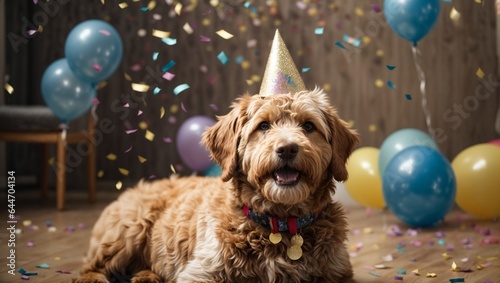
{"x": 450, "y": 56}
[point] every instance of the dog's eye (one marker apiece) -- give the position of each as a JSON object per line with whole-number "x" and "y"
{"x": 308, "y": 127}
{"x": 264, "y": 126}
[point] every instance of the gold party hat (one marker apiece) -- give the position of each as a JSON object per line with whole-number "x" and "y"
{"x": 281, "y": 74}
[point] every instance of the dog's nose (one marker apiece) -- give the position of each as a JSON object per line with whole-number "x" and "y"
{"x": 287, "y": 151}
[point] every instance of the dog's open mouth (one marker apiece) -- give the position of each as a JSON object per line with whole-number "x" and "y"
{"x": 286, "y": 176}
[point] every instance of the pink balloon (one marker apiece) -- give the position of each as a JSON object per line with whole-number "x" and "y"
{"x": 194, "y": 154}
{"x": 495, "y": 142}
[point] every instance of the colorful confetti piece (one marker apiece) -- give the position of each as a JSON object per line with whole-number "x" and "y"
{"x": 319, "y": 30}
{"x": 408, "y": 96}
{"x": 149, "y": 135}
{"x": 119, "y": 185}
{"x": 391, "y": 85}
{"x": 111, "y": 156}
{"x": 339, "y": 44}
{"x": 480, "y": 73}
{"x": 140, "y": 87}
{"x": 180, "y": 88}
{"x": 376, "y": 7}
{"x": 223, "y": 58}
{"x": 123, "y": 171}
{"x": 43, "y": 265}
{"x": 160, "y": 33}
{"x": 224, "y": 34}
{"x": 390, "y": 68}
{"x": 169, "y": 41}
{"x": 8, "y": 88}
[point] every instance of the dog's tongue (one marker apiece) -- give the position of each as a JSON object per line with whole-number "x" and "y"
{"x": 286, "y": 176}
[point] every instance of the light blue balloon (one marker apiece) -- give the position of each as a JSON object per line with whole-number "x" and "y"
{"x": 66, "y": 95}
{"x": 419, "y": 186}
{"x": 213, "y": 171}
{"x": 400, "y": 140}
{"x": 412, "y": 19}
{"x": 94, "y": 50}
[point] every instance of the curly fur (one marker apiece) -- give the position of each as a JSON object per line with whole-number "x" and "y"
{"x": 193, "y": 229}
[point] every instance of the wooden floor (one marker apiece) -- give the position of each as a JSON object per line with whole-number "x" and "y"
{"x": 473, "y": 245}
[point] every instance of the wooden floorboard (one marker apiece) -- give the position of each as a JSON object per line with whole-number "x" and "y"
{"x": 463, "y": 242}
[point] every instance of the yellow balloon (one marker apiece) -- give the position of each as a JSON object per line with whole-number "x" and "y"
{"x": 364, "y": 184}
{"x": 477, "y": 171}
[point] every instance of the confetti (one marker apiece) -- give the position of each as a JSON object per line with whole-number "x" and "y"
{"x": 100, "y": 173}
{"x": 168, "y": 66}
{"x": 431, "y": 275}
{"x": 399, "y": 278}
{"x": 111, "y": 156}
{"x": 118, "y": 185}
{"x": 224, "y": 34}
{"x": 63, "y": 271}
{"x": 162, "y": 112}
{"x": 180, "y": 88}
{"x": 454, "y": 267}
{"x": 187, "y": 28}
{"x": 379, "y": 83}
{"x": 8, "y": 88}
{"x": 391, "y": 85}
{"x": 376, "y": 7}
{"x": 380, "y": 266}
{"x": 401, "y": 271}
{"x": 26, "y": 223}
{"x": 204, "y": 38}
{"x": 319, "y": 30}
{"x": 408, "y": 96}
{"x": 25, "y": 277}
{"x": 374, "y": 274}
{"x": 140, "y": 87}
{"x": 123, "y": 171}
{"x": 172, "y": 168}
{"x": 128, "y": 149}
{"x": 128, "y": 132}
{"x": 356, "y": 42}
{"x": 339, "y": 44}
{"x": 455, "y": 16}
{"x": 446, "y": 256}
{"x": 223, "y": 58}
{"x": 415, "y": 272}
{"x": 156, "y": 90}
{"x": 169, "y": 41}
{"x": 178, "y": 9}
{"x": 123, "y": 5}
{"x": 168, "y": 76}
{"x": 43, "y": 265}
{"x": 160, "y": 33}
{"x": 141, "y": 159}
{"x": 388, "y": 257}
{"x": 453, "y": 280}
{"x": 97, "y": 67}
{"x": 155, "y": 55}
{"x": 480, "y": 73}
{"x": 390, "y": 68}
{"x": 149, "y": 135}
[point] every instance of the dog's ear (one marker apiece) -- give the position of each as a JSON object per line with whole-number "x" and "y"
{"x": 343, "y": 141}
{"x": 222, "y": 139}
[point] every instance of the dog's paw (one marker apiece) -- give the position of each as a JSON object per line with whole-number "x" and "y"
{"x": 91, "y": 277}
{"x": 145, "y": 276}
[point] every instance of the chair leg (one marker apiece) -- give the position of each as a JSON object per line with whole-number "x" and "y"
{"x": 44, "y": 175}
{"x": 61, "y": 172}
{"x": 91, "y": 171}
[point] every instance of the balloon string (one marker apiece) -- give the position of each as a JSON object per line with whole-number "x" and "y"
{"x": 93, "y": 112}
{"x": 421, "y": 78}
{"x": 64, "y": 128}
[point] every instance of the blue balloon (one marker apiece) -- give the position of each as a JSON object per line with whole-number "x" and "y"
{"x": 412, "y": 19}
{"x": 213, "y": 171}
{"x": 400, "y": 140}
{"x": 419, "y": 186}
{"x": 66, "y": 95}
{"x": 94, "y": 50}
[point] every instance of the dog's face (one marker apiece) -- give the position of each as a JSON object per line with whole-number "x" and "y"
{"x": 285, "y": 147}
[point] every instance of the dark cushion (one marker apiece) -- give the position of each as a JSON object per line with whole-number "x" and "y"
{"x": 35, "y": 118}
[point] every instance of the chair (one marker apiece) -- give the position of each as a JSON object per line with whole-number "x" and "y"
{"x": 37, "y": 124}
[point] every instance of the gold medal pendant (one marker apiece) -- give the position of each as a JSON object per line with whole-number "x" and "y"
{"x": 275, "y": 238}
{"x": 297, "y": 240}
{"x": 294, "y": 252}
